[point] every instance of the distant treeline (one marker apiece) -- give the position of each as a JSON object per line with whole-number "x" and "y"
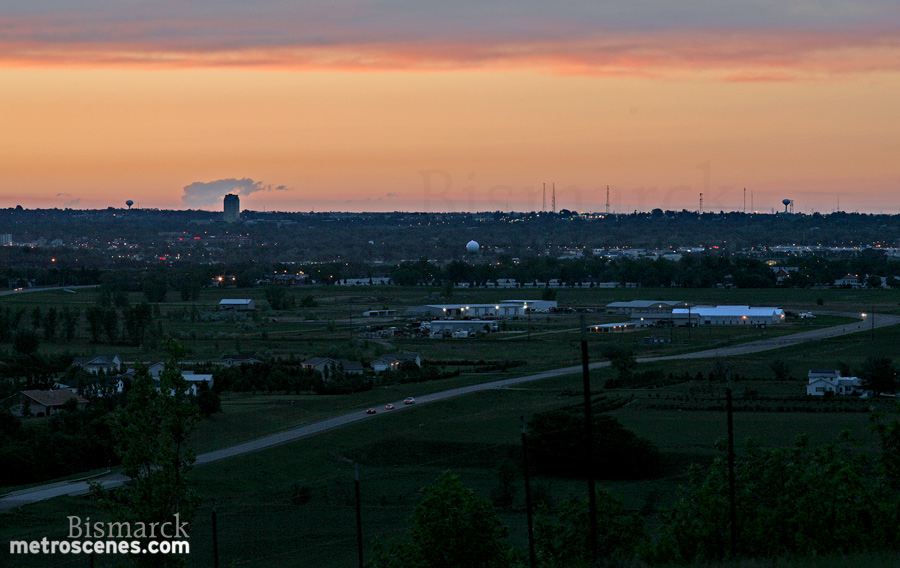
{"x": 693, "y": 270}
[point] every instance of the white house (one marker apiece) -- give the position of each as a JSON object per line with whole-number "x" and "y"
{"x": 848, "y": 281}
{"x": 241, "y": 305}
{"x": 194, "y": 379}
{"x": 823, "y": 381}
{"x": 393, "y": 361}
{"x": 97, "y": 363}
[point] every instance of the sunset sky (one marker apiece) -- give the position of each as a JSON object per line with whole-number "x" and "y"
{"x": 465, "y": 106}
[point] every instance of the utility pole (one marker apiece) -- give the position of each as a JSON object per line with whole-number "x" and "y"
{"x": 690, "y": 322}
{"x": 732, "y": 504}
{"x": 872, "y": 317}
{"x": 532, "y": 557}
{"x": 589, "y": 440}
{"x": 215, "y": 538}
{"x": 359, "y": 535}
{"x": 528, "y": 315}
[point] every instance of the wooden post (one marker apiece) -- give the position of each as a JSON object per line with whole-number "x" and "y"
{"x": 589, "y": 441}
{"x": 532, "y": 557}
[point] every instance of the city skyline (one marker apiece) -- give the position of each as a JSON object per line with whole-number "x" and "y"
{"x": 425, "y": 107}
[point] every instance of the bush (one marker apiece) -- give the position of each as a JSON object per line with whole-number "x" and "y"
{"x": 557, "y": 442}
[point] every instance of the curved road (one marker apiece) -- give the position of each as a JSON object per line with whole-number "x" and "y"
{"x": 80, "y": 487}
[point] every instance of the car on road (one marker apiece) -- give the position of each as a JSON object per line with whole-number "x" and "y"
{"x": 389, "y": 407}
{"x": 409, "y": 400}
{"x": 370, "y": 411}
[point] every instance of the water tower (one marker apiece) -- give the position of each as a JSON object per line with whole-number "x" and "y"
{"x": 787, "y": 203}
{"x": 129, "y": 203}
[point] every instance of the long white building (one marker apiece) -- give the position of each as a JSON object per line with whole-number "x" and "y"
{"x": 728, "y": 315}
{"x": 502, "y": 309}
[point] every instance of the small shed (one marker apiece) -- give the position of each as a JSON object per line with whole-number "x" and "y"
{"x": 240, "y": 305}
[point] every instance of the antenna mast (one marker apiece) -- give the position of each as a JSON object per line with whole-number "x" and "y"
{"x": 545, "y": 199}
{"x": 607, "y": 199}
{"x": 701, "y": 204}
{"x": 554, "y": 197}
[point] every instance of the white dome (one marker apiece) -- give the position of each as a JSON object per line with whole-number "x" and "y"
{"x": 472, "y": 246}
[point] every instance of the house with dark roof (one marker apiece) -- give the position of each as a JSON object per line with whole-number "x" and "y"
{"x": 42, "y": 402}
{"x": 237, "y": 360}
{"x": 326, "y": 364}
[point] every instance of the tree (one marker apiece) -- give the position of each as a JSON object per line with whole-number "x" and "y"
{"x": 69, "y": 318}
{"x": 557, "y": 446}
{"x": 208, "y": 401}
{"x": 155, "y": 289}
{"x": 623, "y": 361}
{"x": 110, "y": 322}
{"x": 137, "y": 320}
{"x": 451, "y": 526}
{"x": 150, "y": 434}
{"x": 793, "y": 501}
{"x": 36, "y": 318}
{"x": 278, "y": 298}
{"x": 562, "y": 539}
{"x": 50, "y": 322}
{"x": 878, "y": 374}
{"x": 780, "y": 369}
{"x": 94, "y": 316}
{"x": 26, "y": 341}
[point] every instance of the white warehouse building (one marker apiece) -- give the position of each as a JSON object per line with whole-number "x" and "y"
{"x": 502, "y": 309}
{"x": 728, "y": 315}
{"x": 462, "y": 328}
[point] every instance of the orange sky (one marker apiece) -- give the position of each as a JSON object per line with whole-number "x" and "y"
{"x": 812, "y": 117}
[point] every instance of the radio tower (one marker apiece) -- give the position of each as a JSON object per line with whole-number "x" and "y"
{"x": 607, "y": 199}
{"x": 701, "y": 204}
{"x": 554, "y": 197}
{"x": 545, "y": 199}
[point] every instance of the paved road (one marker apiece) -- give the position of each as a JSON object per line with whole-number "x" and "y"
{"x": 43, "y": 492}
{"x": 44, "y": 289}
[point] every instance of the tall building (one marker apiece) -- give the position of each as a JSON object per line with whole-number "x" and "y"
{"x": 232, "y": 208}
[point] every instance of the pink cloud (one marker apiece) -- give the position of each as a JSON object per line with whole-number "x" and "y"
{"x": 738, "y": 55}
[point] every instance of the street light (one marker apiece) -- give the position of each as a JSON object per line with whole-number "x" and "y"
{"x": 528, "y": 313}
